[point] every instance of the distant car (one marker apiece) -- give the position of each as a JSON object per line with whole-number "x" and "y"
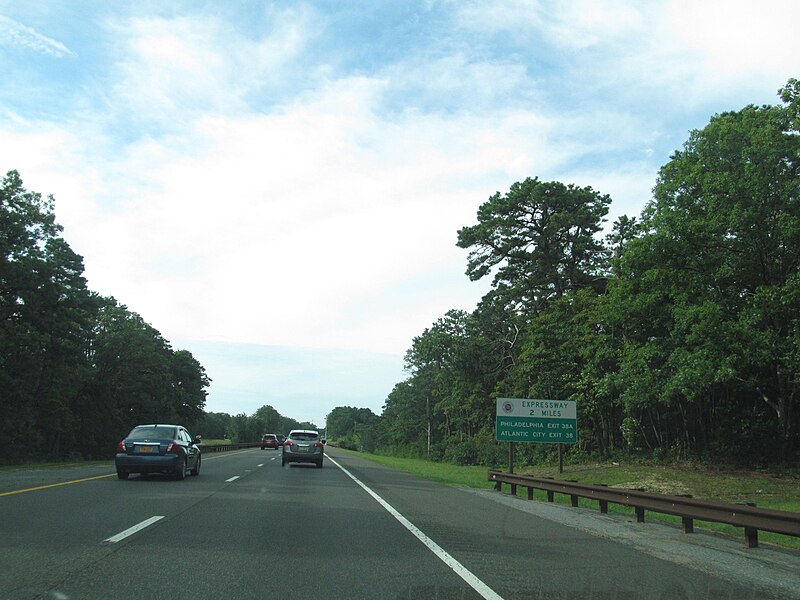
{"x": 303, "y": 445}
{"x": 269, "y": 440}
{"x": 158, "y": 449}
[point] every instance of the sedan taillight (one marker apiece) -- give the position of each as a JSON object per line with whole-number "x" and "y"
{"x": 121, "y": 446}
{"x": 173, "y": 448}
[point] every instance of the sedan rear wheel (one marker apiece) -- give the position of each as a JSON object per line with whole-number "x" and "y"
{"x": 122, "y": 474}
{"x": 181, "y": 472}
{"x": 196, "y": 471}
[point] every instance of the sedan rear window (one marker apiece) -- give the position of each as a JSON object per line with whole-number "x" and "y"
{"x": 152, "y": 433}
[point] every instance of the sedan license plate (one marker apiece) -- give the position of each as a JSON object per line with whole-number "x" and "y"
{"x": 146, "y": 449}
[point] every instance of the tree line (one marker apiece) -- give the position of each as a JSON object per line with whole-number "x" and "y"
{"x": 77, "y": 369}
{"x": 243, "y": 428}
{"x": 677, "y": 334}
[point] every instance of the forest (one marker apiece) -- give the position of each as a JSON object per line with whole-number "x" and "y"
{"x": 77, "y": 370}
{"x": 677, "y": 333}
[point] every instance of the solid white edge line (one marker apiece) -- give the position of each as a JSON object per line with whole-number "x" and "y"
{"x": 472, "y": 580}
{"x": 234, "y": 478}
{"x": 131, "y": 530}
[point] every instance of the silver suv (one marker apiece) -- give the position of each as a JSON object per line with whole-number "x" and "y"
{"x": 303, "y": 445}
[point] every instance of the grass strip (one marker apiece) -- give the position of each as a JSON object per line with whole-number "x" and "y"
{"x": 56, "y": 464}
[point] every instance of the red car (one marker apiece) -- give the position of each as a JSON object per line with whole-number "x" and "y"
{"x": 269, "y": 440}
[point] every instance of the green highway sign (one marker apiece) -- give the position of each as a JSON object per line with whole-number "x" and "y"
{"x": 531, "y": 420}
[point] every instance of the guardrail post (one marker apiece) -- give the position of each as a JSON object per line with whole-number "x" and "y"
{"x": 550, "y": 495}
{"x": 603, "y": 503}
{"x": 530, "y": 493}
{"x": 750, "y": 537}
{"x": 687, "y": 524}
{"x": 750, "y": 533}
{"x": 513, "y": 489}
{"x": 573, "y": 498}
{"x": 498, "y": 486}
{"x": 639, "y": 514}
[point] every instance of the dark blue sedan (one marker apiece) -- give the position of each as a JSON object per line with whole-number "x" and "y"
{"x": 158, "y": 449}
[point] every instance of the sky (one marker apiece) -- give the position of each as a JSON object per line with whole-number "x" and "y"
{"x": 277, "y": 186}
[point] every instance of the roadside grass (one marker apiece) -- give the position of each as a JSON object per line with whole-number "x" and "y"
{"x": 56, "y": 464}
{"x": 701, "y": 481}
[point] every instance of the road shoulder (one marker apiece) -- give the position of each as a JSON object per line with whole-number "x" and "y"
{"x": 777, "y": 569}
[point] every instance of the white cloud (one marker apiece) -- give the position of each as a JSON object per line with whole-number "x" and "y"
{"x": 689, "y": 52}
{"x": 737, "y": 38}
{"x": 268, "y": 228}
{"x": 459, "y": 82}
{"x": 13, "y": 33}
{"x": 172, "y": 69}
{"x": 573, "y": 25}
{"x": 322, "y": 223}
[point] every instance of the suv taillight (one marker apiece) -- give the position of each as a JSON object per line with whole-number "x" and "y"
{"x": 121, "y": 446}
{"x": 287, "y": 443}
{"x": 318, "y": 445}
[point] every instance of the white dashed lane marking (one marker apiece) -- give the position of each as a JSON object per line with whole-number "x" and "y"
{"x": 131, "y": 530}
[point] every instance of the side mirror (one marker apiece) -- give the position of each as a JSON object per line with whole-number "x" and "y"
{"x": 324, "y": 441}
{"x": 198, "y": 440}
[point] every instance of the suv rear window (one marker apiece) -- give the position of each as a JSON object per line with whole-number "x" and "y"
{"x": 300, "y": 435}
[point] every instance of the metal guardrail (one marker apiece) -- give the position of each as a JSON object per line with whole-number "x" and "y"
{"x": 226, "y": 447}
{"x": 749, "y": 517}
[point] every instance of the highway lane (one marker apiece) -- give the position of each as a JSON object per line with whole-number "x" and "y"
{"x": 46, "y": 535}
{"x": 246, "y": 528}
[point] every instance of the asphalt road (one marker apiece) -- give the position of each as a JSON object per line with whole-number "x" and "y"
{"x": 249, "y": 528}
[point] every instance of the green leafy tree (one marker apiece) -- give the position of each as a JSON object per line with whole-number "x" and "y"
{"x": 269, "y": 419}
{"x": 188, "y": 381}
{"x": 790, "y": 94}
{"x": 212, "y": 426}
{"x": 714, "y": 278}
{"x": 406, "y": 415}
{"x": 45, "y": 316}
{"x": 137, "y": 378}
{"x": 242, "y": 429}
{"x": 354, "y": 427}
{"x": 540, "y": 237}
